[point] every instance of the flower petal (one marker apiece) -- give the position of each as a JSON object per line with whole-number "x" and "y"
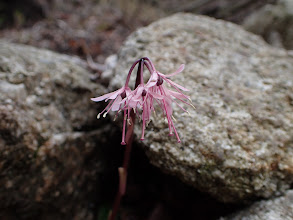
{"x": 153, "y": 80}
{"x": 156, "y": 95}
{"x": 180, "y": 69}
{"x": 176, "y": 85}
{"x": 178, "y": 95}
{"x": 111, "y": 95}
{"x": 116, "y": 104}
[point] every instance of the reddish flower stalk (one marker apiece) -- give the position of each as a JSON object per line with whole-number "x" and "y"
{"x": 123, "y": 170}
{"x": 129, "y": 137}
{"x": 140, "y": 102}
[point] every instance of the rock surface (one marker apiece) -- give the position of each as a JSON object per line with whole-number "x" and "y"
{"x": 238, "y": 143}
{"x": 274, "y": 23}
{"x": 274, "y": 209}
{"x": 51, "y": 153}
{"x": 219, "y": 9}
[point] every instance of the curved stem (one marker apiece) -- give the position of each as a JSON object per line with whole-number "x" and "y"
{"x": 128, "y": 139}
{"x": 130, "y": 71}
{"x": 149, "y": 60}
{"x": 139, "y": 75}
{"x": 149, "y": 67}
{"x": 141, "y": 71}
{"x": 123, "y": 170}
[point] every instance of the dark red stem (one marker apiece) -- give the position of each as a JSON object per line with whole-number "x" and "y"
{"x": 130, "y": 71}
{"x": 129, "y": 138}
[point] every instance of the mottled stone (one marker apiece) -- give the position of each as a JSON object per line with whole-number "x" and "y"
{"x": 238, "y": 143}
{"x": 274, "y": 22}
{"x": 51, "y": 145}
{"x": 273, "y": 209}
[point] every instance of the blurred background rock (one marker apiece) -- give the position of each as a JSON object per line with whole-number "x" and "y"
{"x": 98, "y": 27}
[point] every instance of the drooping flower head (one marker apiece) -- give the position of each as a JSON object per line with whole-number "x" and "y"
{"x": 141, "y": 100}
{"x": 156, "y": 84}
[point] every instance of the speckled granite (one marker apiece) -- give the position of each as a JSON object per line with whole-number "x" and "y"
{"x": 280, "y": 208}
{"x": 238, "y": 143}
{"x": 52, "y": 148}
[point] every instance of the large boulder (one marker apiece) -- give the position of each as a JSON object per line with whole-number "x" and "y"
{"x": 273, "y": 209}
{"x": 238, "y": 143}
{"x": 51, "y": 147}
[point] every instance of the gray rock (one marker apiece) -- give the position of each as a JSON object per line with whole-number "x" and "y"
{"x": 238, "y": 143}
{"x": 274, "y": 209}
{"x": 219, "y": 9}
{"x": 51, "y": 145}
{"x": 274, "y": 23}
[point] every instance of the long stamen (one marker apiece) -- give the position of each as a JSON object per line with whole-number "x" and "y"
{"x": 190, "y": 104}
{"x": 173, "y": 118}
{"x": 123, "y": 130}
{"x": 180, "y": 106}
{"x": 167, "y": 114}
{"x": 178, "y": 90}
{"x": 112, "y": 103}
{"x": 177, "y": 136}
{"x": 128, "y": 112}
{"x": 143, "y": 121}
{"x": 106, "y": 109}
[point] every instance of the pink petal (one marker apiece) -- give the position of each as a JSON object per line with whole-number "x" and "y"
{"x": 153, "y": 80}
{"x": 176, "y": 85}
{"x": 156, "y": 95}
{"x": 128, "y": 91}
{"x": 137, "y": 93}
{"x": 168, "y": 106}
{"x": 118, "y": 92}
{"x": 180, "y": 69}
{"x": 132, "y": 103}
{"x": 177, "y": 95}
{"x": 116, "y": 104}
{"x": 111, "y": 95}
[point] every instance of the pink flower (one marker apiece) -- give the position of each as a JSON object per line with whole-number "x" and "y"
{"x": 115, "y": 97}
{"x": 155, "y": 85}
{"x": 141, "y": 100}
{"x": 116, "y": 104}
{"x": 143, "y": 97}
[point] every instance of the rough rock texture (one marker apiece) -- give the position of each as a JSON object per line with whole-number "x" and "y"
{"x": 50, "y": 151}
{"x": 238, "y": 143}
{"x": 274, "y": 209}
{"x": 274, "y": 23}
{"x": 219, "y": 9}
